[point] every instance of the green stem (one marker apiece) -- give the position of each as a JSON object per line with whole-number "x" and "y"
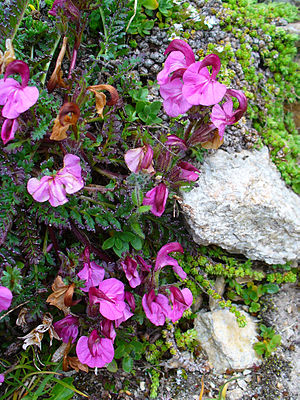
{"x": 43, "y": 78}
{"x": 25, "y": 5}
{"x": 99, "y": 203}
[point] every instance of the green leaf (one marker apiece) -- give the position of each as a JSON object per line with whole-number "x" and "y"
{"x": 259, "y": 348}
{"x": 127, "y": 364}
{"x": 108, "y": 243}
{"x": 119, "y": 243}
{"x": 60, "y": 392}
{"x": 112, "y": 366}
{"x": 271, "y": 288}
{"x": 120, "y": 351}
{"x": 150, "y": 4}
{"x": 254, "y": 307}
{"x": 144, "y": 209}
{"x": 136, "y": 227}
{"x": 126, "y": 236}
{"x": 137, "y": 243}
{"x": 275, "y": 341}
{"x": 155, "y": 107}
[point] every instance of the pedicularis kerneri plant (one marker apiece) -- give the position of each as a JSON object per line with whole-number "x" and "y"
{"x": 90, "y": 180}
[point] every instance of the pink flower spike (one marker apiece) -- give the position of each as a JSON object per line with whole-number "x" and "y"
{"x": 157, "y": 198}
{"x": 110, "y": 297}
{"x": 174, "y": 101}
{"x": 95, "y": 351}
{"x": 67, "y": 328}
{"x": 5, "y": 298}
{"x": 187, "y": 172}
{"x": 163, "y": 259}
{"x": 15, "y": 97}
{"x": 181, "y": 301}
{"x": 129, "y": 266}
{"x": 156, "y": 308}
{"x": 9, "y": 129}
{"x": 184, "y": 48}
{"x": 201, "y": 88}
{"x": 107, "y": 329}
{"x": 140, "y": 159}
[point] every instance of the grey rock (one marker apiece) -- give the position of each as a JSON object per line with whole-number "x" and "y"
{"x": 227, "y": 345}
{"x": 242, "y": 205}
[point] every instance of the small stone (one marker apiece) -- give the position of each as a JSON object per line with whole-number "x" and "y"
{"x": 236, "y": 394}
{"x": 227, "y": 345}
{"x": 143, "y": 386}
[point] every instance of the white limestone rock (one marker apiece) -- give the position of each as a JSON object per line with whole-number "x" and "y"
{"x": 227, "y": 345}
{"x": 242, "y": 204}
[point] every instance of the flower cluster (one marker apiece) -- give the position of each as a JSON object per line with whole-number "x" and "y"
{"x": 15, "y": 97}
{"x": 185, "y": 83}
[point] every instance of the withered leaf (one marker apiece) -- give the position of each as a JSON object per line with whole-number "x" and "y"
{"x": 68, "y": 115}
{"x": 74, "y": 363}
{"x": 213, "y": 144}
{"x": 62, "y": 295}
{"x": 101, "y": 99}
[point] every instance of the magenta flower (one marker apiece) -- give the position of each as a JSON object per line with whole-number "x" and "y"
{"x": 184, "y": 171}
{"x": 67, "y": 328}
{"x": 1, "y": 378}
{"x": 175, "y": 141}
{"x": 126, "y": 315}
{"x": 201, "y": 88}
{"x": 5, "y": 298}
{"x": 95, "y": 351}
{"x": 91, "y": 272}
{"x": 70, "y": 10}
{"x": 107, "y": 329}
{"x": 181, "y": 56}
{"x": 54, "y": 188}
{"x": 129, "y": 266}
{"x": 163, "y": 259}
{"x": 181, "y": 301}
{"x": 174, "y": 101}
{"x": 110, "y": 296}
{"x": 16, "y": 97}
{"x": 157, "y": 198}
{"x": 140, "y": 159}
{"x": 223, "y": 115}
{"x": 9, "y": 129}
{"x": 156, "y": 308}
{"x": 144, "y": 266}
{"x": 129, "y": 297}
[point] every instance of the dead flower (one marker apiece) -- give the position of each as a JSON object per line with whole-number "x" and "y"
{"x": 62, "y": 295}
{"x": 36, "y": 335}
{"x": 68, "y": 115}
{"x": 101, "y": 97}
{"x": 57, "y": 75}
{"x": 8, "y": 56}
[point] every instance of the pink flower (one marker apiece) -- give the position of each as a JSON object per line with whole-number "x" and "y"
{"x": 70, "y": 10}
{"x": 223, "y": 115}
{"x": 110, "y": 296}
{"x": 54, "y": 188}
{"x": 174, "y": 101}
{"x": 181, "y": 301}
{"x": 201, "y": 88}
{"x": 175, "y": 141}
{"x": 107, "y": 329}
{"x": 5, "y": 298}
{"x": 67, "y": 328}
{"x": 181, "y": 56}
{"x": 157, "y": 198}
{"x": 16, "y": 97}
{"x": 95, "y": 351}
{"x": 156, "y": 308}
{"x": 140, "y": 159}
{"x": 91, "y": 272}
{"x": 129, "y": 297}
{"x": 184, "y": 171}
{"x": 1, "y": 378}
{"x": 9, "y": 129}
{"x": 129, "y": 266}
{"x": 126, "y": 315}
{"x": 163, "y": 259}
